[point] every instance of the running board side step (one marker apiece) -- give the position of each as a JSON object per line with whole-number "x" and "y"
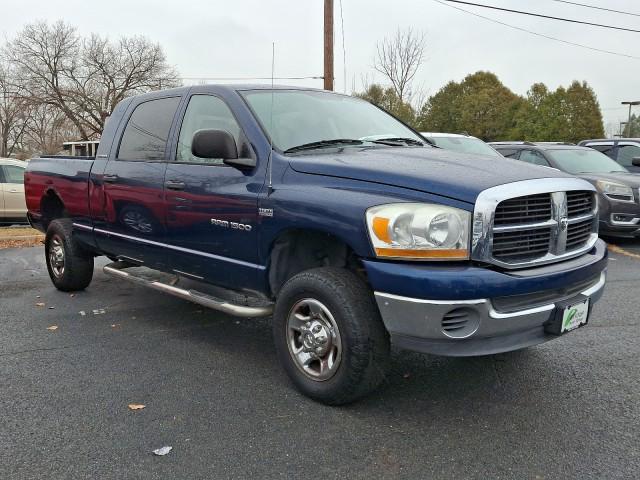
{"x": 117, "y": 269}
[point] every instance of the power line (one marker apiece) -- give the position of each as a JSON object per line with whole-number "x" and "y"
{"x": 550, "y": 17}
{"x": 251, "y": 78}
{"x": 548, "y": 37}
{"x": 597, "y": 8}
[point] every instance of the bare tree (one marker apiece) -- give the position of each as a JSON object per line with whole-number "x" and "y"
{"x": 47, "y": 129}
{"x": 13, "y": 113}
{"x": 399, "y": 57}
{"x": 85, "y": 77}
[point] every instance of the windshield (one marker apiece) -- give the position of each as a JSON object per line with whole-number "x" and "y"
{"x": 302, "y": 117}
{"x": 465, "y": 145}
{"x": 584, "y": 161}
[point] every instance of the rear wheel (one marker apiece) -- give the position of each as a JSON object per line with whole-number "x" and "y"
{"x": 70, "y": 267}
{"x": 329, "y": 335}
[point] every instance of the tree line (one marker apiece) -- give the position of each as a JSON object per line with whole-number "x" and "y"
{"x": 482, "y": 106}
{"x": 58, "y": 85}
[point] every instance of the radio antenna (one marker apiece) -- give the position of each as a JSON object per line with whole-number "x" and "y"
{"x": 269, "y": 164}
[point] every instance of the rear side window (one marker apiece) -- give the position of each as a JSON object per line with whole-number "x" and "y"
{"x": 606, "y": 149}
{"x": 13, "y": 174}
{"x": 146, "y": 134}
{"x": 531, "y": 156}
{"x": 509, "y": 152}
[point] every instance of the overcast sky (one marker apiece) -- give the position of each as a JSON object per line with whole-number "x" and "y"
{"x": 232, "y": 38}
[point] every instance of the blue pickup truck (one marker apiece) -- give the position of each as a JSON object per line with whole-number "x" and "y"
{"x": 344, "y": 224}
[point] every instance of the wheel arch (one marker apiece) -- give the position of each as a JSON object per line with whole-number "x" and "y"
{"x": 51, "y": 207}
{"x": 295, "y": 250}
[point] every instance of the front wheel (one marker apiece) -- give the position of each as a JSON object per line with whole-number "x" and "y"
{"x": 329, "y": 335}
{"x": 70, "y": 267}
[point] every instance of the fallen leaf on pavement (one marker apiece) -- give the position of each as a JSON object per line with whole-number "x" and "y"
{"x": 162, "y": 451}
{"x": 83, "y": 313}
{"x": 99, "y": 311}
{"x": 52, "y": 308}
{"x": 52, "y": 327}
{"x": 136, "y": 406}
{"x": 39, "y": 304}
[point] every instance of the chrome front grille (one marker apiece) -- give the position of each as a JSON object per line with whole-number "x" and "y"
{"x": 532, "y": 208}
{"x": 534, "y": 222}
{"x": 579, "y": 203}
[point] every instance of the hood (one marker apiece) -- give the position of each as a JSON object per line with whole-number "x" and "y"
{"x": 624, "y": 178}
{"x": 431, "y": 170}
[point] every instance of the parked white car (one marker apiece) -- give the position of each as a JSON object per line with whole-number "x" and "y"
{"x": 13, "y": 208}
{"x": 461, "y": 143}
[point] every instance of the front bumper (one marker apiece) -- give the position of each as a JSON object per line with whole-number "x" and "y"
{"x": 507, "y": 312}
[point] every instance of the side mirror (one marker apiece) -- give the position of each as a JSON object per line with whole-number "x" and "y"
{"x": 219, "y": 144}
{"x": 635, "y": 161}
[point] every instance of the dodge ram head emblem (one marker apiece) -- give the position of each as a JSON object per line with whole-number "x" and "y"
{"x": 564, "y": 223}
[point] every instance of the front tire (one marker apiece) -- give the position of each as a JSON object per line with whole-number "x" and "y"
{"x": 70, "y": 267}
{"x": 329, "y": 336}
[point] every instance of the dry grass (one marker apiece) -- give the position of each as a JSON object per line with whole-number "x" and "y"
{"x": 14, "y": 237}
{"x": 17, "y": 232}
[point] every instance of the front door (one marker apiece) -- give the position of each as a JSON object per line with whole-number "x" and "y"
{"x": 211, "y": 207}
{"x": 132, "y": 225}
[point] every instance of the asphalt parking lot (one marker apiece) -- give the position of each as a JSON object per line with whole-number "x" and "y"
{"x": 215, "y": 393}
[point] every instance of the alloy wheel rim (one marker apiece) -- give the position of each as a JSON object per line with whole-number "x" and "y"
{"x": 313, "y": 339}
{"x": 56, "y": 256}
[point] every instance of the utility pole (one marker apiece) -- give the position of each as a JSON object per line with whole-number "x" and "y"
{"x": 629, "y": 121}
{"x": 328, "y": 44}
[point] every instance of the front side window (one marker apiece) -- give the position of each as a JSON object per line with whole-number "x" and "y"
{"x": 626, "y": 154}
{"x": 531, "y": 156}
{"x": 205, "y": 112}
{"x": 145, "y": 136}
{"x": 13, "y": 174}
{"x": 584, "y": 161}
{"x": 300, "y": 117}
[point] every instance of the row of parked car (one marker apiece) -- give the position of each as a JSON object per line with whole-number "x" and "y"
{"x": 612, "y": 166}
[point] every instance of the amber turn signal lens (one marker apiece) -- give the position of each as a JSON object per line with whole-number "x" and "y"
{"x": 381, "y": 229}
{"x": 430, "y": 254}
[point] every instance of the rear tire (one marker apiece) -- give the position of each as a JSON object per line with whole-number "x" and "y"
{"x": 329, "y": 336}
{"x": 70, "y": 267}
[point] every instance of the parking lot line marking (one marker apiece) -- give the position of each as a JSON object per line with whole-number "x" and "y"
{"x": 622, "y": 251}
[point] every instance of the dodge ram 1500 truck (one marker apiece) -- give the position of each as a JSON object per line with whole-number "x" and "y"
{"x": 331, "y": 215}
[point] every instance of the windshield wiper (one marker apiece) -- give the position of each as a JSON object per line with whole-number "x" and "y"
{"x": 394, "y": 141}
{"x": 323, "y": 143}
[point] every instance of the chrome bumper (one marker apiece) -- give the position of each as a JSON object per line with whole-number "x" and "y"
{"x": 467, "y": 327}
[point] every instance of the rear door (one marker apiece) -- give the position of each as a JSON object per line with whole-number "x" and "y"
{"x": 211, "y": 207}
{"x": 13, "y": 192}
{"x": 132, "y": 226}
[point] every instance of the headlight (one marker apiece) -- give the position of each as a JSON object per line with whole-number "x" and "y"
{"x": 419, "y": 231}
{"x": 616, "y": 191}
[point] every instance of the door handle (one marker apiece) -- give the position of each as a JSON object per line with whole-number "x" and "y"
{"x": 13, "y": 190}
{"x": 109, "y": 178}
{"x": 174, "y": 185}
